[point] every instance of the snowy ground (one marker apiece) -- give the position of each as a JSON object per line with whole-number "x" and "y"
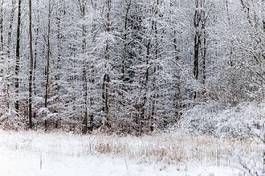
{"x": 36, "y": 154}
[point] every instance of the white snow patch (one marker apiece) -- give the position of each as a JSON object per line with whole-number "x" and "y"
{"x": 44, "y": 159}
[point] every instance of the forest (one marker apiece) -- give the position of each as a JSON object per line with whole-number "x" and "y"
{"x": 185, "y": 70}
{"x": 131, "y": 66}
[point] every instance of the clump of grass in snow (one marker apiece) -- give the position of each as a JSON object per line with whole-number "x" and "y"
{"x": 169, "y": 147}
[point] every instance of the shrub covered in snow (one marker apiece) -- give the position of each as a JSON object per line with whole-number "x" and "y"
{"x": 224, "y": 121}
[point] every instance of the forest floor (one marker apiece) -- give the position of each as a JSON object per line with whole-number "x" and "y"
{"x": 60, "y": 154}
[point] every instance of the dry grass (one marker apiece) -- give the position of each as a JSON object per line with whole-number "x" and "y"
{"x": 173, "y": 147}
{"x": 169, "y": 147}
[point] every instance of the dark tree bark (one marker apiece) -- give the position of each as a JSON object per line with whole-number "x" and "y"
{"x": 48, "y": 57}
{"x": 125, "y": 47}
{"x": 155, "y": 73}
{"x": 17, "y": 67}
{"x": 1, "y": 25}
{"x": 31, "y": 65}
{"x": 200, "y": 44}
{"x": 197, "y": 39}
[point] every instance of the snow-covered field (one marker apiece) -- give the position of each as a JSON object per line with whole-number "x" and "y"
{"x": 56, "y": 154}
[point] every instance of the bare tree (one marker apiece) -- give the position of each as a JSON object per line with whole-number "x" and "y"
{"x": 48, "y": 56}
{"x": 106, "y": 76}
{"x": 31, "y": 65}
{"x": 200, "y": 49}
{"x": 17, "y": 67}
{"x": 1, "y": 25}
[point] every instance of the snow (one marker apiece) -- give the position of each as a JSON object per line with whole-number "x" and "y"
{"x": 21, "y": 156}
{"x": 17, "y": 163}
{"x": 224, "y": 121}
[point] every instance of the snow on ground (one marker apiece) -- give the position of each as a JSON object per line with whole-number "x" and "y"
{"x": 37, "y": 154}
{"x": 21, "y": 163}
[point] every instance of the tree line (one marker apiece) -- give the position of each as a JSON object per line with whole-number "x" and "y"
{"x": 131, "y": 66}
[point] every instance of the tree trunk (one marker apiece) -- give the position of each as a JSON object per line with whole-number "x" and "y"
{"x": 10, "y": 28}
{"x": 1, "y": 25}
{"x": 36, "y": 50}
{"x": 197, "y": 39}
{"x": 31, "y": 65}
{"x": 17, "y": 67}
{"x": 106, "y": 77}
{"x": 200, "y": 48}
{"x": 48, "y": 58}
